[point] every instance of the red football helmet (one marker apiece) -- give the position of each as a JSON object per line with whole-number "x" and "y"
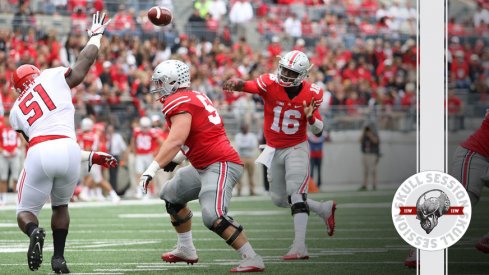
{"x": 24, "y": 76}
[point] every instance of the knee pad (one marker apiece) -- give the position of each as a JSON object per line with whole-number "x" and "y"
{"x": 173, "y": 209}
{"x": 225, "y": 223}
{"x": 298, "y": 204}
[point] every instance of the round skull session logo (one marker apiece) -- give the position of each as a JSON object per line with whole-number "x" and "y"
{"x": 431, "y": 210}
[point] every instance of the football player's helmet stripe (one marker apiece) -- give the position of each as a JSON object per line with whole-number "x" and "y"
{"x": 291, "y": 61}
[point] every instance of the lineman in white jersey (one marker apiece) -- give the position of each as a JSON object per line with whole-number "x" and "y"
{"x": 44, "y": 115}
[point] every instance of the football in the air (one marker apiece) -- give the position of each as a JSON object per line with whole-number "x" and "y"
{"x": 160, "y": 16}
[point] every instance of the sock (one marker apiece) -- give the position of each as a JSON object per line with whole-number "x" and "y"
{"x": 315, "y": 206}
{"x": 300, "y": 221}
{"x": 300, "y": 225}
{"x": 246, "y": 251}
{"x": 185, "y": 239}
{"x": 113, "y": 194}
{"x": 98, "y": 192}
{"x": 59, "y": 240}
{"x": 29, "y": 228}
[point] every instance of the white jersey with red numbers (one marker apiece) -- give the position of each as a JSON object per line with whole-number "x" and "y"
{"x": 9, "y": 139}
{"x": 46, "y": 108}
{"x": 207, "y": 142}
{"x": 144, "y": 141}
{"x": 285, "y": 123}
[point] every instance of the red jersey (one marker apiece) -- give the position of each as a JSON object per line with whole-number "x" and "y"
{"x": 285, "y": 123}
{"x": 144, "y": 141}
{"x": 88, "y": 141}
{"x": 207, "y": 142}
{"x": 477, "y": 142}
{"x": 160, "y": 134}
{"x": 9, "y": 139}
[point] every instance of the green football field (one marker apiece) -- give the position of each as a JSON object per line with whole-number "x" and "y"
{"x": 129, "y": 238}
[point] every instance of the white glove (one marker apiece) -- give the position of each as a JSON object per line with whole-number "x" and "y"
{"x": 148, "y": 175}
{"x": 98, "y": 26}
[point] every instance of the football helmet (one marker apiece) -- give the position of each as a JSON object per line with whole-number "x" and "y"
{"x": 145, "y": 122}
{"x": 298, "y": 63}
{"x": 86, "y": 124}
{"x": 169, "y": 76}
{"x": 24, "y": 76}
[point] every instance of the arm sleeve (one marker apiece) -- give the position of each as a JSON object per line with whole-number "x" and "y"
{"x": 251, "y": 87}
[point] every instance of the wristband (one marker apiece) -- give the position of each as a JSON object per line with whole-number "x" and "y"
{"x": 152, "y": 169}
{"x": 311, "y": 119}
{"x": 95, "y": 40}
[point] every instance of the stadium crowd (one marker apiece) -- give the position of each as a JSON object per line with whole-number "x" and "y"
{"x": 364, "y": 52}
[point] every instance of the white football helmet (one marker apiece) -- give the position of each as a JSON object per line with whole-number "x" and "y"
{"x": 86, "y": 124}
{"x": 145, "y": 122}
{"x": 169, "y": 76}
{"x": 295, "y": 61}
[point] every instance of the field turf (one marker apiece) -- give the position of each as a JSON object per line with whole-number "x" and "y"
{"x": 129, "y": 238}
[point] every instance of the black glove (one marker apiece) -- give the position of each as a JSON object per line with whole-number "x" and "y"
{"x": 170, "y": 166}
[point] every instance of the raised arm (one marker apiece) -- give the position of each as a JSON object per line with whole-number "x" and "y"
{"x": 89, "y": 53}
{"x": 240, "y": 85}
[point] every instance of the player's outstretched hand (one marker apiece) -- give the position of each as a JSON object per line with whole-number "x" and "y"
{"x": 233, "y": 85}
{"x": 98, "y": 25}
{"x": 309, "y": 109}
{"x": 144, "y": 182}
{"x": 102, "y": 159}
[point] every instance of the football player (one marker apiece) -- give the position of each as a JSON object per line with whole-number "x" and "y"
{"x": 290, "y": 106}
{"x": 9, "y": 158}
{"x": 44, "y": 114}
{"x": 197, "y": 130}
{"x": 144, "y": 140}
{"x": 470, "y": 166}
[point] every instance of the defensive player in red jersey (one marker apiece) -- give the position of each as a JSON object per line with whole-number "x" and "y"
{"x": 470, "y": 166}
{"x": 45, "y": 116}
{"x": 144, "y": 140}
{"x": 9, "y": 158}
{"x": 197, "y": 130}
{"x": 290, "y": 106}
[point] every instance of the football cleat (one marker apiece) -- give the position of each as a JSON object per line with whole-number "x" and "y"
{"x": 411, "y": 258}
{"x": 327, "y": 214}
{"x": 253, "y": 264}
{"x": 34, "y": 254}
{"x": 58, "y": 264}
{"x": 296, "y": 253}
{"x": 181, "y": 254}
{"x": 483, "y": 245}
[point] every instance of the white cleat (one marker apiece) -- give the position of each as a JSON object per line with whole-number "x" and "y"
{"x": 296, "y": 253}
{"x": 253, "y": 264}
{"x": 116, "y": 200}
{"x": 328, "y": 209}
{"x": 181, "y": 254}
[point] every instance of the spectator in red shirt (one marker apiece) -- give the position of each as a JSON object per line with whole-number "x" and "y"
{"x": 459, "y": 71}
{"x": 455, "y": 112}
{"x": 274, "y": 48}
